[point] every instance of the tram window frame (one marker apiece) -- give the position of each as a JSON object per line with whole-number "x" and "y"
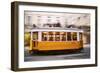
{"x": 57, "y": 36}
{"x": 69, "y": 36}
{"x": 36, "y": 37}
{"x": 44, "y": 37}
{"x": 51, "y": 38}
{"x": 80, "y": 36}
{"x": 74, "y": 37}
{"x": 63, "y": 36}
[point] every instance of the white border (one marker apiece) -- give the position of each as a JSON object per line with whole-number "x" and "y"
{"x": 34, "y": 64}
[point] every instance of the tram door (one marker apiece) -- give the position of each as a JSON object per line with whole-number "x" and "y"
{"x": 35, "y": 39}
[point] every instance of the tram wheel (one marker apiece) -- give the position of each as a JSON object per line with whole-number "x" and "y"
{"x": 31, "y": 52}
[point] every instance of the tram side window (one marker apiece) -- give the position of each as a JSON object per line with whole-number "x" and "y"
{"x": 35, "y": 35}
{"x": 57, "y": 36}
{"x": 68, "y": 36}
{"x": 80, "y": 36}
{"x": 64, "y": 36}
{"x": 74, "y": 34}
{"x": 50, "y": 36}
{"x": 44, "y": 37}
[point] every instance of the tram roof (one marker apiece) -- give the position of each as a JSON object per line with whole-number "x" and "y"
{"x": 55, "y": 29}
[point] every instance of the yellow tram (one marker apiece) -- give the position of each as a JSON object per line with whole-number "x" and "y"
{"x": 55, "y": 39}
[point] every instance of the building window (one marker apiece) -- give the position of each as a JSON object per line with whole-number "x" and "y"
{"x": 57, "y": 36}
{"x": 74, "y": 36}
{"x": 49, "y": 20}
{"x": 49, "y": 16}
{"x": 39, "y": 16}
{"x": 44, "y": 36}
{"x": 35, "y": 35}
{"x": 28, "y": 19}
{"x": 69, "y": 36}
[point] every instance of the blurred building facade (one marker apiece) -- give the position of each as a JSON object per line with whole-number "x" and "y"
{"x": 62, "y": 20}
